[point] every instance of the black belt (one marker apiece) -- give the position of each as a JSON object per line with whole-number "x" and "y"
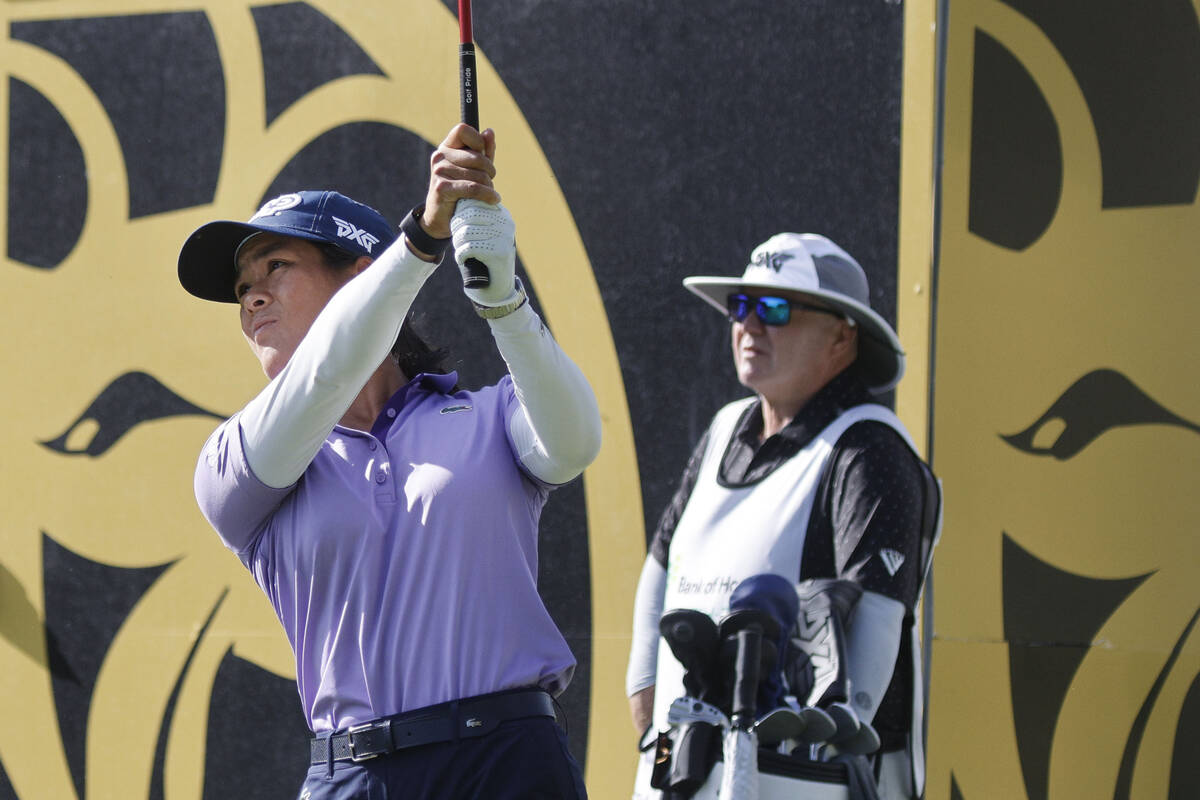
{"x": 458, "y": 719}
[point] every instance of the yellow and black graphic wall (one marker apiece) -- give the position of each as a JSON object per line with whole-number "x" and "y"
{"x": 1051, "y": 373}
{"x": 638, "y": 143}
{"x": 1066, "y": 403}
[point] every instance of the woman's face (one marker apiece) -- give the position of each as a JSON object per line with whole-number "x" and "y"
{"x": 282, "y": 284}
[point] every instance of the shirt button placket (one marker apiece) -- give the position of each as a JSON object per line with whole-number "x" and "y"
{"x": 384, "y": 492}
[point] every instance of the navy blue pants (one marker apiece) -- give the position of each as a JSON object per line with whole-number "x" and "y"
{"x": 523, "y": 759}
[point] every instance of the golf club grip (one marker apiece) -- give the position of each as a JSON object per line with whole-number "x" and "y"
{"x": 468, "y": 95}
{"x": 474, "y": 272}
{"x": 745, "y": 686}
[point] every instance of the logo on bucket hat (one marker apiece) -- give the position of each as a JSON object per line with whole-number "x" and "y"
{"x": 775, "y": 261}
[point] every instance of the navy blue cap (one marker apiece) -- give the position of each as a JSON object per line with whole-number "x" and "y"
{"x": 207, "y": 261}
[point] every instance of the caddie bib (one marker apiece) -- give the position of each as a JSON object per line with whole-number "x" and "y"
{"x": 727, "y": 534}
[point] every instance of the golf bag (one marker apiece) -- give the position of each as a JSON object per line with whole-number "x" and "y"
{"x": 735, "y": 736}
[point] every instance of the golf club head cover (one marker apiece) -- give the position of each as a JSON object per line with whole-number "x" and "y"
{"x": 747, "y": 652}
{"x": 485, "y": 234}
{"x": 853, "y": 735}
{"x": 692, "y": 637}
{"x": 747, "y": 668}
{"x": 688, "y": 758}
{"x": 817, "y": 669}
{"x": 775, "y": 596}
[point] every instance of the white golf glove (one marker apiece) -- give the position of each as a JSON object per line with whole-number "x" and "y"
{"x": 487, "y": 234}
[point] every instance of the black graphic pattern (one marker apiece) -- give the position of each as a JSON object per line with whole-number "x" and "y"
{"x": 1015, "y": 151}
{"x": 1051, "y": 618}
{"x": 85, "y": 603}
{"x": 128, "y": 401}
{"x": 1138, "y": 66}
{"x": 47, "y": 188}
{"x": 159, "y": 79}
{"x": 1096, "y": 403}
{"x": 302, "y": 50}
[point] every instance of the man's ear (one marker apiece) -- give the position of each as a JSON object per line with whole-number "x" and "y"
{"x": 362, "y": 263}
{"x": 846, "y": 339}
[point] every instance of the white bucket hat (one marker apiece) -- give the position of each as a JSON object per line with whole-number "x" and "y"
{"x": 811, "y": 264}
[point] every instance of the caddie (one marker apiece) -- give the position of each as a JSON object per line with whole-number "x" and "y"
{"x": 808, "y": 478}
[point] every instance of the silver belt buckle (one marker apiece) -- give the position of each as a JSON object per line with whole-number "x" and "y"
{"x": 357, "y": 757}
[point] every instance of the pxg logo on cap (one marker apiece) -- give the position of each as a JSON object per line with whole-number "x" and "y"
{"x": 347, "y": 230}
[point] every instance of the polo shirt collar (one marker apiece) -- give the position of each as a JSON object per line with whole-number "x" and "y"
{"x": 845, "y": 391}
{"x": 431, "y": 382}
{"x": 442, "y": 383}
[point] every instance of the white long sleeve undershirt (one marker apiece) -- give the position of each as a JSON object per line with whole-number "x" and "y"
{"x": 647, "y": 611}
{"x": 557, "y": 429}
{"x": 873, "y": 642}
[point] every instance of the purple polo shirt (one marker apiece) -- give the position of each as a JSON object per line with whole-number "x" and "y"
{"x": 403, "y": 563}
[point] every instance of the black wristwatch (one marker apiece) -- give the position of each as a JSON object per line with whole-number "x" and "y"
{"x": 416, "y": 235}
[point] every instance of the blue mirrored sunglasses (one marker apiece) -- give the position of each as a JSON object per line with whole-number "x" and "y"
{"x": 771, "y": 310}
